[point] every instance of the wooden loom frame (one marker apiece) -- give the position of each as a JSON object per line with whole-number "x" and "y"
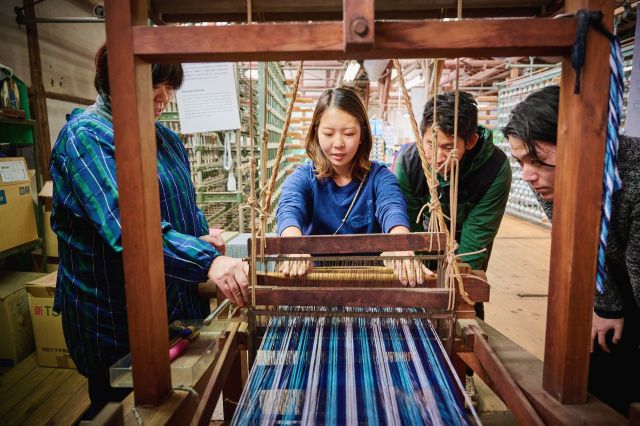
{"x": 133, "y": 46}
{"x": 431, "y": 297}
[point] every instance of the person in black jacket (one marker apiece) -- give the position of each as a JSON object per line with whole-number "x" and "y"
{"x": 613, "y": 373}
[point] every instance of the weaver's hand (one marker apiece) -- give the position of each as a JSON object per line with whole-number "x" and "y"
{"x": 409, "y": 271}
{"x": 601, "y": 326}
{"x": 296, "y": 268}
{"x": 230, "y": 275}
{"x": 216, "y": 240}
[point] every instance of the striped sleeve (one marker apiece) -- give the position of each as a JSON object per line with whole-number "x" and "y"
{"x": 91, "y": 164}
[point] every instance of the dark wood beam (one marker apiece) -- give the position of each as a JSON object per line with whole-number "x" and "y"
{"x": 69, "y": 98}
{"x": 582, "y": 124}
{"x": 513, "y": 12}
{"x": 355, "y": 243}
{"x": 411, "y": 39}
{"x": 503, "y": 383}
{"x": 42, "y": 143}
{"x": 526, "y": 371}
{"x": 316, "y": 10}
{"x": 139, "y": 202}
{"x": 225, "y": 365}
{"x": 357, "y": 297}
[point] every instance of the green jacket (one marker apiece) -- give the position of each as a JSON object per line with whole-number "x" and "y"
{"x": 485, "y": 180}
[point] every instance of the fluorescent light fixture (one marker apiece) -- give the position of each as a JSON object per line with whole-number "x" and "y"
{"x": 351, "y": 72}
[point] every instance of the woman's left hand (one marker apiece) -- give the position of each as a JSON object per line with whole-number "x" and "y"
{"x": 409, "y": 271}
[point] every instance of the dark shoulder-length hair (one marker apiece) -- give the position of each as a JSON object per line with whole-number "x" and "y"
{"x": 535, "y": 119}
{"x": 346, "y": 100}
{"x": 170, "y": 74}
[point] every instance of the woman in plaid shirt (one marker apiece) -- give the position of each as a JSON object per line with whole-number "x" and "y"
{"x": 90, "y": 292}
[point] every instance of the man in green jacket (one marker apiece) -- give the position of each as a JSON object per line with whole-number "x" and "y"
{"x": 485, "y": 176}
{"x": 484, "y": 180}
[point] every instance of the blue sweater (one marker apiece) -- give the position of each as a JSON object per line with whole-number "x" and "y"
{"x": 317, "y": 206}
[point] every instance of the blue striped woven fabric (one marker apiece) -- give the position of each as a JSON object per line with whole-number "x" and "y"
{"x": 611, "y": 180}
{"x": 351, "y": 371}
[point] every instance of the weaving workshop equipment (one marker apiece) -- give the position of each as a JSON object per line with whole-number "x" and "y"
{"x": 366, "y": 369}
{"x": 554, "y": 391}
{"x": 348, "y": 344}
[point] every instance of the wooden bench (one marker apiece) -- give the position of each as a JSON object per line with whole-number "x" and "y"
{"x": 34, "y": 395}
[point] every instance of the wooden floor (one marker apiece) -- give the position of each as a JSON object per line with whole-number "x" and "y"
{"x": 518, "y": 274}
{"x": 34, "y": 395}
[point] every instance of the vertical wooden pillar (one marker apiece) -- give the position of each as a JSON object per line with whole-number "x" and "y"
{"x": 576, "y": 215}
{"x": 43, "y": 140}
{"x": 135, "y": 140}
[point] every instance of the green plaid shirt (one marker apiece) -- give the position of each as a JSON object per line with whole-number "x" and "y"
{"x": 90, "y": 291}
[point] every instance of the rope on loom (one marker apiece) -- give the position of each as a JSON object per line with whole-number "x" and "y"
{"x": 190, "y": 390}
{"x": 136, "y": 414}
{"x": 432, "y": 182}
{"x": 262, "y": 229}
{"x": 266, "y": 191}
{"x": 436, "y": 221}
{"x": 185, "y": 388}
{"x": 283, "y": 137}
{"x": 452, "y": 272}
{"x": 252, "y": 179}
{"x": 253, "y": 201}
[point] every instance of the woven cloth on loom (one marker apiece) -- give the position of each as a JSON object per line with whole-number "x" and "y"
{"x": 350, "y": 371}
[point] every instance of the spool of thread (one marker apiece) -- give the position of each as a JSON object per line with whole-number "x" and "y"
{"x": 177, "y": 349}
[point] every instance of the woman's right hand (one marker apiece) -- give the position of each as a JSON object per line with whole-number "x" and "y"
{"x": 296, "y": 268}
{"x": 409, "y": 271}
{"x": 230, "y": 275}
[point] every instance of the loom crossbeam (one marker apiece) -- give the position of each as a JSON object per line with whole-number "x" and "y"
{"x": 361, "y": 243}
{"x": 371, "y": 292}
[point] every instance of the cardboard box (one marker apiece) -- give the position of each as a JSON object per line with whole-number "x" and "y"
{"x": 16, "y": 332}
{"x": 47, "y": 326}
{"x": 17, "y": 215}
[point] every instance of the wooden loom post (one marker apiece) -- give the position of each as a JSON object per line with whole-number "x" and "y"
{"x": 139, "y": 203}
{"x": 576, "y": 214}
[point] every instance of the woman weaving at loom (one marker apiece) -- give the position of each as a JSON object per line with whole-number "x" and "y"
{"x": 90, "y": 291}
{"x": 340, "y": 191}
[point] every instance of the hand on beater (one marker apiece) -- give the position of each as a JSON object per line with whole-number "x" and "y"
{"x": 296, "y": 268}
{"x": 230, "y": 275}
{"x": 409, "y": 271}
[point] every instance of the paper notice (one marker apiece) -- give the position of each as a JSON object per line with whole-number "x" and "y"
{"x": 208, "y": 100}
{"x": 13, "y": 171}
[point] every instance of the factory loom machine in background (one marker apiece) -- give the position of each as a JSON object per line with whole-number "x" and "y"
{"x": 348, "y": 344}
